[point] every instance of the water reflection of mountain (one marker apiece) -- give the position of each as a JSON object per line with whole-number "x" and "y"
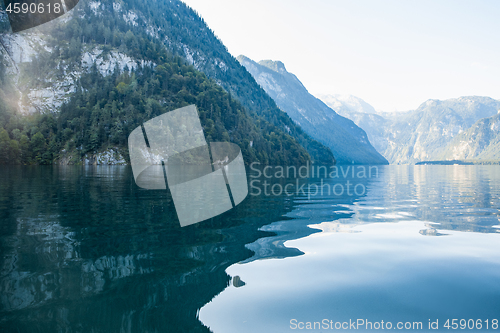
{"x": 84, "y": 249}
{"x": 462, "y": 198}
{"x": 399, "y": 193}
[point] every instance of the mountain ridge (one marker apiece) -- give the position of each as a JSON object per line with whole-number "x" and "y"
{"x": 348, "y": 142}
{"x": 201, "y": 48}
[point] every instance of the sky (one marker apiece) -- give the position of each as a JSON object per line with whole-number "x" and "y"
{"x": 393, "y": 54}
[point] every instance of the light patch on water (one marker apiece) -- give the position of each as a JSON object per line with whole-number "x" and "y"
{"x": 385, "y": 271}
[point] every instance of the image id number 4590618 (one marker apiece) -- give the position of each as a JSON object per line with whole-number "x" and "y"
{"x": 33, "y": 8}
{"x": 471, "y": 324}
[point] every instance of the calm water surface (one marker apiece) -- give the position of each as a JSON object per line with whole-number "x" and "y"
{"x": 83, "y": 249}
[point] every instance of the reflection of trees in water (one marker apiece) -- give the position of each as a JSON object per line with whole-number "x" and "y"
{"x": 84, "y": 249}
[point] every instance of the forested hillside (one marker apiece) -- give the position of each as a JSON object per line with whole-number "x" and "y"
{"x": 185, "y": 33}
{"x": 102, "y": 106}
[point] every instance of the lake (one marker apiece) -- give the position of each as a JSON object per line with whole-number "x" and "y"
{"x": 414, "y": 248}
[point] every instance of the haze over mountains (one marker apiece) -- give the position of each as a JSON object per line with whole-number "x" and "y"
{"x": 348, "y": 142}
{"x": 459, "y": 128}
{"x": 481, "y": 141}
{"x": 72, "y": 90}
{"x": 346, "y": 104}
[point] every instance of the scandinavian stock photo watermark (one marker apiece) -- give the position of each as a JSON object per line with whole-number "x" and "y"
{"x": 334, "y": 180}
{"x": 368, "y": 325}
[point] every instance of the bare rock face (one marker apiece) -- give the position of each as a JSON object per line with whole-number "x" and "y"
{"x": 20, "y": 49}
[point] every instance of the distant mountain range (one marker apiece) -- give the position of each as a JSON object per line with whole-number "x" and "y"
{"x": 348, "y": 142}
{"x": 455, "y": 129}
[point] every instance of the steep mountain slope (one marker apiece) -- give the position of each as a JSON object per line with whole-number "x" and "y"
{"x": 347, "y": 141}
{"x": 184, "y": 33}
{"x": 480, "y": 142}
{"x": 97, "y": 73}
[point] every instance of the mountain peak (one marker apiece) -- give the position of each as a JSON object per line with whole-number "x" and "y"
{"x": 241, "y": 58}
{"x": 276, "y": 66}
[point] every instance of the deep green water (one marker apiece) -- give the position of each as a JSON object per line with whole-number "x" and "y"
{"x": 83, "y": 249}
